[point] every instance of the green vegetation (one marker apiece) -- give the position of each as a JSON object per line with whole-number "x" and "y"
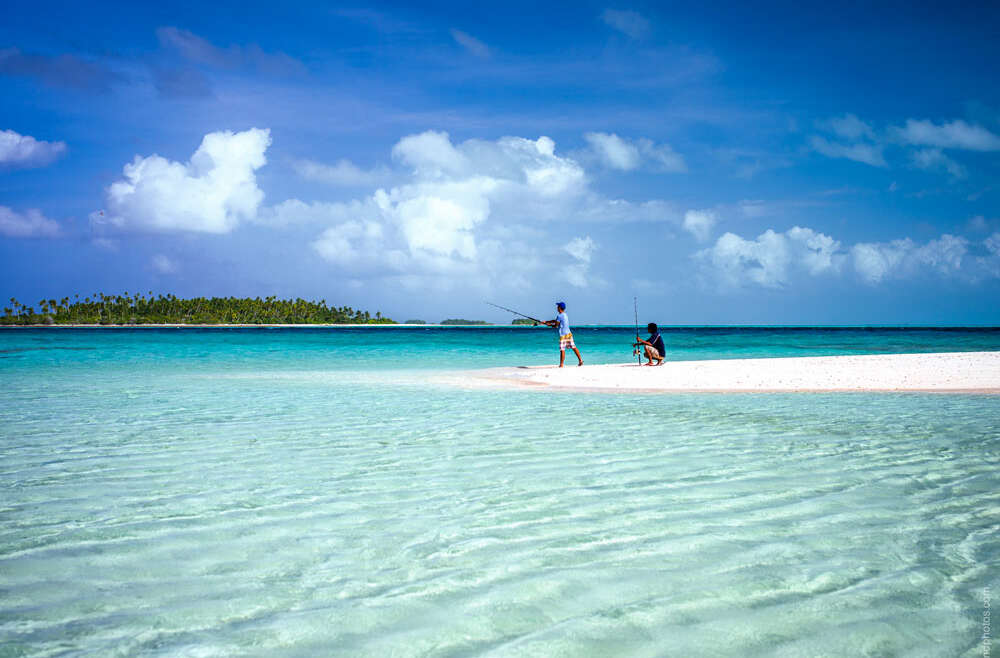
{"x": 525, "y": 322}
{"x": 414, "y": 322}
{"x": 128, "y": 309}
{"x": 458, "y": 321}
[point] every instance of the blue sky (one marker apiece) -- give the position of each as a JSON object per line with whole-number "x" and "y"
{"x": 726, "y": 163}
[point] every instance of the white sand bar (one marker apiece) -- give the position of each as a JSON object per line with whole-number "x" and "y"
{"x": 948, "y": 372}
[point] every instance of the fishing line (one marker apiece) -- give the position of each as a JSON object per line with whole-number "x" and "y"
{"x": 510, "y": 310}
{"x": 635, "y": 307}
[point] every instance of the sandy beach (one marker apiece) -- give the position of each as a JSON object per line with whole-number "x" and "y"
{"x": 942, "y": 372}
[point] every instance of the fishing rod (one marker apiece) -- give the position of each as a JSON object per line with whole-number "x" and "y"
{"x": 635, "y": 307}
{"x": 510, "y": 310}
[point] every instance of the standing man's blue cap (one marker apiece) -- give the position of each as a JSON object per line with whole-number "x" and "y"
{"x": 561, "y": 305}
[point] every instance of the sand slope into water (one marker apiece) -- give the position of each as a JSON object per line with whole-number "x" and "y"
{"x": 953, "y": 371}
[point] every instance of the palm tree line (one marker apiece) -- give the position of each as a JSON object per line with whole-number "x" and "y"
{"x": 126, "y": 309}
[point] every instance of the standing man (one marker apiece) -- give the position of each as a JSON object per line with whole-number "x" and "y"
{"x": 654, "y": 346}
{"x": 565, "y": 335}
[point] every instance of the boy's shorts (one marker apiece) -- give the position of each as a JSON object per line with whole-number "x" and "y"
{"x": 566, "y": 341}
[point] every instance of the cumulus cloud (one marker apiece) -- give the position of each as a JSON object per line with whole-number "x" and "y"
{"x": 344, "y": 173}
{"x": 435, "y": 223}
{"x": 952, "y": 135}
{"x": 431, "y": 155}
{"x": 870, "y": 154}
{"x": 470, "y": 43}
{"x": 936, "y": 160}
{"x": 772, "y": 257}
{"x": 353, "y": 242}
{"x": 629, "y": 23}
{"x": 466, "y": 213}
{"x": 439, "y": 217}
{"x": 211, "y": 193}
{"x": 624, "y": 154}
{"x": 18, "y": 150}
{"x": 29, "y": 224}
{"x": 699, "y": 223}
{"x": 877, "y": 261}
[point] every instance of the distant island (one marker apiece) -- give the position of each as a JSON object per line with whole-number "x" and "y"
{"x": 126, "y": 309}
{"x": 524, "y": 322}
{"x": 459, "y": 321}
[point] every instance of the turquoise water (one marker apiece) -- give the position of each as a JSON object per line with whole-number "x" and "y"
{"x": 313, "y": 492}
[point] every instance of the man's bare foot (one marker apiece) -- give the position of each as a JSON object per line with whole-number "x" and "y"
{"x": 580, "y": 364}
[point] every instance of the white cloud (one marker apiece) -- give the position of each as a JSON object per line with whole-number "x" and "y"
{"x": 352, "y": 243}
{"x": 992, "y": 243}
{"x": 211, "y": 193}
{"x": 771, "y": 258}
{"x": 663, "y": 155}
{"x": 345, "y": 173}
{"x": 629, "y": 23}
{"x": 436, "y": 223}
{"x": 990, "y": 263}
{"x": 874, "y": 261}
{"x": 431, "y": 155}
{"x": 877, "y": 261}
{"x": 934, "y": 159}
{"x": 581, "y": 249}
{"x": 870, "y": 154}
{"x": 294, "y": 211}
{"x": 163, "y": 265}
{"x": 467, "y": 214}
{"x": 849, "y": 127}
{"x": 439, "y": 217}
{"x": 18, "y": 150}
{"x": 699, "y": 223}
{"x": 29, "y": 224}
{"x": 470, "y": 43}
{"x": 624, "y": 154}
{"x": 953, "y": 135}
{"x": 614, "y": 151}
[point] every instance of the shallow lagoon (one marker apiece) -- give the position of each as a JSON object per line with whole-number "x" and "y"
{"x": 310, "y": 491}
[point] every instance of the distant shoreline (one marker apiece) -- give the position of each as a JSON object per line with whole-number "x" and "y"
{"x": 257, "y": 326}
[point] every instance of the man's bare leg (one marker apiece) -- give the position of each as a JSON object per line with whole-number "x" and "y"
{"x": 579, "y": 358}
{"x": 562, "y": 357}
{"x": 650, "y": 352}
